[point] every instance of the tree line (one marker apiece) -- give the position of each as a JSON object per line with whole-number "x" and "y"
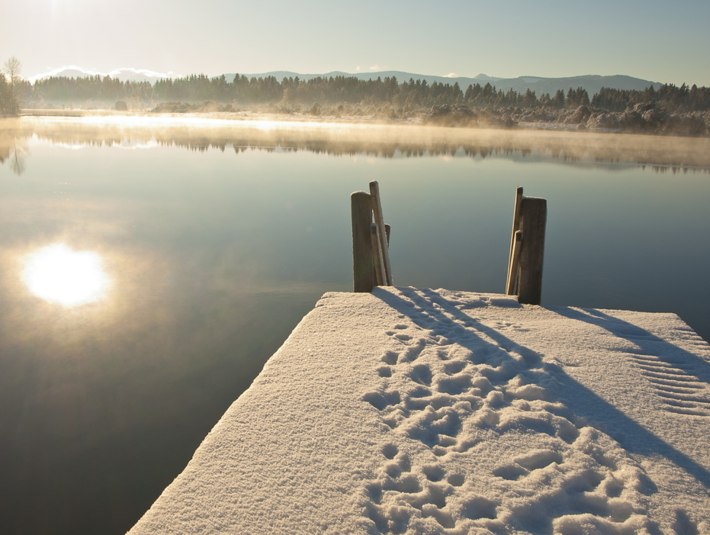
{"x": 668, "y": 109}
{"x": 349, "y": 89}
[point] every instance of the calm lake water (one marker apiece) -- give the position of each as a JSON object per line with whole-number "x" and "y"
{"x": 192, "y": 248}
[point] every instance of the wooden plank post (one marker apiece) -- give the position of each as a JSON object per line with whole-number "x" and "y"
{"x": 361, "y": 211}
{"x": 380, "y": 222}
{"x": 378, "y": 266}
{"x": 514, "y": 264}
{"x": 512, "y": 273}
{"x": 533, "y": 216}
{"x": 377, "y": 257}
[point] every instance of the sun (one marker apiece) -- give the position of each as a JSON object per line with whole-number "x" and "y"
{"x": 59, "y": 274}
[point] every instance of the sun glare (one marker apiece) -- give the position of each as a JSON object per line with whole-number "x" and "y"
{"x": 58, "y": 274}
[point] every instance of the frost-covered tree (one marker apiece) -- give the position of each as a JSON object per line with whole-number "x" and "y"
{"x": 8, "y": 92}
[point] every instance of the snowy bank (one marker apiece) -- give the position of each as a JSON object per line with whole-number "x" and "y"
{"x": 430, "y": 411}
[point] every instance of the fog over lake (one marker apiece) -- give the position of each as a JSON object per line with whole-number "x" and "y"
{"x": 195, "y": 245}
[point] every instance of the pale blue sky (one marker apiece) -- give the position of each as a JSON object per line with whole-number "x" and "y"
{"x": 666, "y": 41}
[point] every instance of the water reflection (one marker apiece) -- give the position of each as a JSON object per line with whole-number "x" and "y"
{"x": 59, "y": 274}
{"x": 603, "y": 150}
{"x": 14, "y": 152}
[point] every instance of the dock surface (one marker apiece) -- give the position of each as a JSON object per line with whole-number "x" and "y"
{"x": 432, "y": 411}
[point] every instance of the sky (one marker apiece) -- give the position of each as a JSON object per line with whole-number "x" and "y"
{"x": 656, "y": 40}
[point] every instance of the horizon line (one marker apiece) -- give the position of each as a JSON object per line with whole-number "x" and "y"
{"x": 150, "y": 73}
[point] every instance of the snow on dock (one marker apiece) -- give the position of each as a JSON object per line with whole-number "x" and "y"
{"x": 431, "y": 411}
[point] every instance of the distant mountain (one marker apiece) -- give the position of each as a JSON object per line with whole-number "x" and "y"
{"x": 591, "y": 82}
{"x": 125, "y": 74}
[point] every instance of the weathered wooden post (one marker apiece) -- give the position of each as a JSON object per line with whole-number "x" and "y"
{"x": 527, "y": 249}
{"x": 371, "y": 239}
{"x": 512, "y": 278}
{"x": 361, "y": 210}
{"x": 380, "y": 222}
{"x": 532, "y": 250}
{"x": 378, "y": 256}
{"x": 514, "y": 264}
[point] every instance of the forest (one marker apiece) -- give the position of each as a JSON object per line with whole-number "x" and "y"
{"x": 670, "y": 109}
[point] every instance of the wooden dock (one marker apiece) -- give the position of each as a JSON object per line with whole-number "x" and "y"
{"x": 411, "y": 410}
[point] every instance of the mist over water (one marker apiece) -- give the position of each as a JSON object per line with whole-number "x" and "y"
{"x": 215, "y": 131}
{"x": 211, "y": 255}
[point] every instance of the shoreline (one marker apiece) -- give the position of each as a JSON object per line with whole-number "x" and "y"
{"x": 416, "y": 119}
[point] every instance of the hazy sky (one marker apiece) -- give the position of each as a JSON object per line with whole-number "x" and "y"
{"x": 660, "y": 40}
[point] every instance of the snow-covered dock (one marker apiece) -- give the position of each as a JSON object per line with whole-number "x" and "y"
{"x": 431, "y": 411}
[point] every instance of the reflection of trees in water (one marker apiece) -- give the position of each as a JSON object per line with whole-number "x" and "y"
{"x": 17, "y": 160}
{"x": 15, "y": 154}
{"x": 608, "y": 151}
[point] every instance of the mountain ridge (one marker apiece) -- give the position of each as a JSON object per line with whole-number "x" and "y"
{"x": 592, "y": 83}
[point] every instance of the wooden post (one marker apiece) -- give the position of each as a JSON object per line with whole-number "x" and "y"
{"x": 514, "y": 264}
{"x": 512, "y": 273}
{"x": 377, "y": 256}
{"x": 533, "y": 215}
{"x": 361, "y": 211}
{"x": 380, "y": 222}
{"x": 377, "y": 266}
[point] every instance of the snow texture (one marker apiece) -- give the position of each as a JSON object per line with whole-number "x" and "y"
{"x": 431, "y": 411}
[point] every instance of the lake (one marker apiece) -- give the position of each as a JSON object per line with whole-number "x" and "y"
{"x": 150, "y": 266}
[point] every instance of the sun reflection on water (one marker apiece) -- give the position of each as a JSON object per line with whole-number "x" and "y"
{"x": 59, "y": 274}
